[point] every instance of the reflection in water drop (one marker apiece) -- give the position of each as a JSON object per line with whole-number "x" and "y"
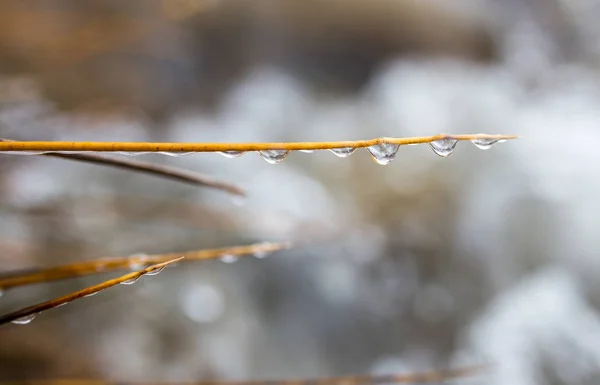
{"x": 91, "y": 294}
{"x": 384, "y": 153}
{"x": 232, "y": 154}
{"x": 484, "y": 144}
{"x": 273, "y": 156}
{"x": 343, "y": 152}
{"x": 24, "y": 320}
{"x": 228, "y": 258}
{"x": 443, "y": 147}
{"x": 307, "y": 151}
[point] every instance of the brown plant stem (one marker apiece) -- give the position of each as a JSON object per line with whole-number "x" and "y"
{"x": 151, "y": 169}
{"x": 103, "y": 265}
{"x": 54, "y": 146}
{"x": 43, "y": 306}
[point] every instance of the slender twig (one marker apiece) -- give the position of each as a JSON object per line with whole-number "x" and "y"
{"x": 28, "y": 312}
{"x": 408, "y": 378}
{"x": 44, "y": 146}
{"x": 78, "y": 269}
{"x": 150, "y": 168}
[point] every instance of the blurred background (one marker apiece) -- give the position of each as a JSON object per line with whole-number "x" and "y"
{"x": 425, "y": 263}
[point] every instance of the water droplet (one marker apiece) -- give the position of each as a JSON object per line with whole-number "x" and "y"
{"x": 137, "y": 261}
{"x": 91, "y": 294}
{"x": 343, "y": 152}
{"x": 228, "y": 258}
{"x": 130, "y": 281}
{"x": 384, "y": 153}
{"x": 485, "y": 144}
{"x": 24, "y": 320}
{"x": 273, "y": 156}
{"x": 232, "y": 154}
{"x": 261, "y": 254}
{"x": 307, "y": 151}
{"x": 174, "y": 154}
{"x": 154, "y": 272}
{"x": 443, "y": 147}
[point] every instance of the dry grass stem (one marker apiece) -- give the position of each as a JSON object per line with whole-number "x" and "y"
{"x": 42, "y": 146}
{"x": 103, "y": 265}
{"x": 152, "y": 169}
{"x": 408, "y": 378}
{"x": 26, "y": 314}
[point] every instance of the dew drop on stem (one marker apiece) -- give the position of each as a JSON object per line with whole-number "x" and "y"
{"x": 343, "y": 152}
{"x": 232, "y": 154}
{"x": 130, "y": 281}
{"x": 273, "y": 156}
{"x": 24, "y": 320}
{"x": 155, "y": 272}
{"x": 443, "y": 147}
{"x": 383, "y": 153}
{"x": 484, "y": 144}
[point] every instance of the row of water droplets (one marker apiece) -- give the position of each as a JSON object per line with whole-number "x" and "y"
{"x": 383, "y": 153}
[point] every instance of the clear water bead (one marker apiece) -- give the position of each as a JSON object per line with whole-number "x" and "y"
{"x": 343, "y": 152}
{"x": 24, "y": 320}
{"x": 484, "y": 144}
{"x": 273, "y": 156}
{"x": 307, "y": 151}
{"x": 383, "y": 153}
{"x": 228, "y": 258}
{"x": 443, "y": 147}
{"x": 91, "y": 294}
{"x": 130, "y": 281}
{"x": 154, "y": 272}
{"x": 232, "y": 154}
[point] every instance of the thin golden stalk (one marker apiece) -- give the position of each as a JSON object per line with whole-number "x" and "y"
{"x": 26, "y": 314}
{"x": 152, "y": 169}
{"x": 50, "y": 146}
{"x": 408, "y": 378}
{"x": 79, "y": 269}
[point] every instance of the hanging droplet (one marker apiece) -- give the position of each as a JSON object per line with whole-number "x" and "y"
{"x": 343, "y": 152}
{"x": 91, "y": 294}
{"x": 443, "y": 147}
{"x": 307, "y": 151}
{"x": 484, "y": 144}
{"x": 273, "y": 156}
{"x": 154, "y": 272}
{"x": 384, "y": 153}
{"x": 232, "y": 154}
{"x": 24, "y": 320}
{"x": 228, "y": 258}
{"x": 130, "y": 281}
{"x": 174, "y": 154}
